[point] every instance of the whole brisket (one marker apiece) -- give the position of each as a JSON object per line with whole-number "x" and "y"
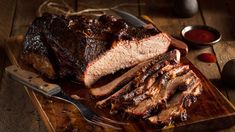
{"x": 88, "y": 48}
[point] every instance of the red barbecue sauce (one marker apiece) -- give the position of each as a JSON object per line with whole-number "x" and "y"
{"x": 200, "y": 36}
{"x": 207, "y": 57}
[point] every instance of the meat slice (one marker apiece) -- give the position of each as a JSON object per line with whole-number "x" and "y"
{"x": 103, "y": 103}
{"x": 125, "y": 54}
{"x": 119, "y": 98}
{"x": 168, "y": 85}
{"x": 140, "y": 93}
{"x": 87, "y": 48}
{"x": 176, "y": 107}
{"x": 171, "y": 57}
{"x": 111, "y": 87}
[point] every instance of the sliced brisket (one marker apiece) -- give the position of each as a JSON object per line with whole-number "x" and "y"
{"x": 160, "y": 91}
{"x": 112, "y": 86}
{"x": 158, "y": 97}
{"x": 127, "y": 88}
{"x": 171, "y": 57}
{"x": 141, "y": 92}
{"x": 176, "y": 107}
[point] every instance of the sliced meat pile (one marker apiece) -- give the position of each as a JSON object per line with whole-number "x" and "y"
{"x": 87, "y": 48}
{"x": 159, "y": 90}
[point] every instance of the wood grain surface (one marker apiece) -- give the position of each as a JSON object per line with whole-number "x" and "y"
{"x": 223, "y": 20}
{"x": 15, "y": 115}
{"x": 16, "y": 15}
{"x": 6, "y": 15}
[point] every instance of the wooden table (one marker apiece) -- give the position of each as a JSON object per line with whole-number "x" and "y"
{"x": 17, "y": 113}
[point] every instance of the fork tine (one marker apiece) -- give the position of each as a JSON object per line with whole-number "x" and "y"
{"x": 102, "y": 124}
{"x": 112, "y": 121}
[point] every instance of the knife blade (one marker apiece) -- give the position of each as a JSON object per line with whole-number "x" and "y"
{"x": 133, "y": 20}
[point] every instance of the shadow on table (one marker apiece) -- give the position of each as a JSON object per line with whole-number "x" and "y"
{"x": 227, "y": 90}
{"x": 160, "y": 8}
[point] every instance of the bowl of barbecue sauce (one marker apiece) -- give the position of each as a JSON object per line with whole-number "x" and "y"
{"x": 200, "y": 35}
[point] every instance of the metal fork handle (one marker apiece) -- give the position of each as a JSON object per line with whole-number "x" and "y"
{"x": 61, "y": 96}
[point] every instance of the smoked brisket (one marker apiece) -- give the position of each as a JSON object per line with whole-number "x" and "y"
{"x": 159, "y": 92}
{"x": 87, "y": 48}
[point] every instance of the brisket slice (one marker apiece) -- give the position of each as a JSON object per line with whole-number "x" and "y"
{"x": 152, "y": 84}
{"x": 88, "y": 48}
{"x": 168, "y": 84}
{"x": 171, "y": 57}
{"x": 140, "y": 93}
{"x": 122, "y": 94}
{"x": 176, "y": 107}
{"x": 103, "y": 103}
{"x": 112, "y": 86}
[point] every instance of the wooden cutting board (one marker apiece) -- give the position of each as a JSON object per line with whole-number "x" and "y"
{"x": 211, "y": 111}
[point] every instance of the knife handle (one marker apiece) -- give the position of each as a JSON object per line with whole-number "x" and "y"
{"x": 32, "y": 80}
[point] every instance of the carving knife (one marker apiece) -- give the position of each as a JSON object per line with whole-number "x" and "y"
{"x": 35, "y": 82}
{"x": 133, "y": 20}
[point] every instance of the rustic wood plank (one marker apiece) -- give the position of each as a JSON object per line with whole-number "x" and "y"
{"x": 6, "y": 15}
{"x": 6, "y": 20}
{"x": 17, "y": 113}
{"x": 13, "y": 120}
{"x": 83, "y": 4}
{"x": 2, "y": 61}
{"x": 220, "y": 15}
{"x": 26, "y": 12}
